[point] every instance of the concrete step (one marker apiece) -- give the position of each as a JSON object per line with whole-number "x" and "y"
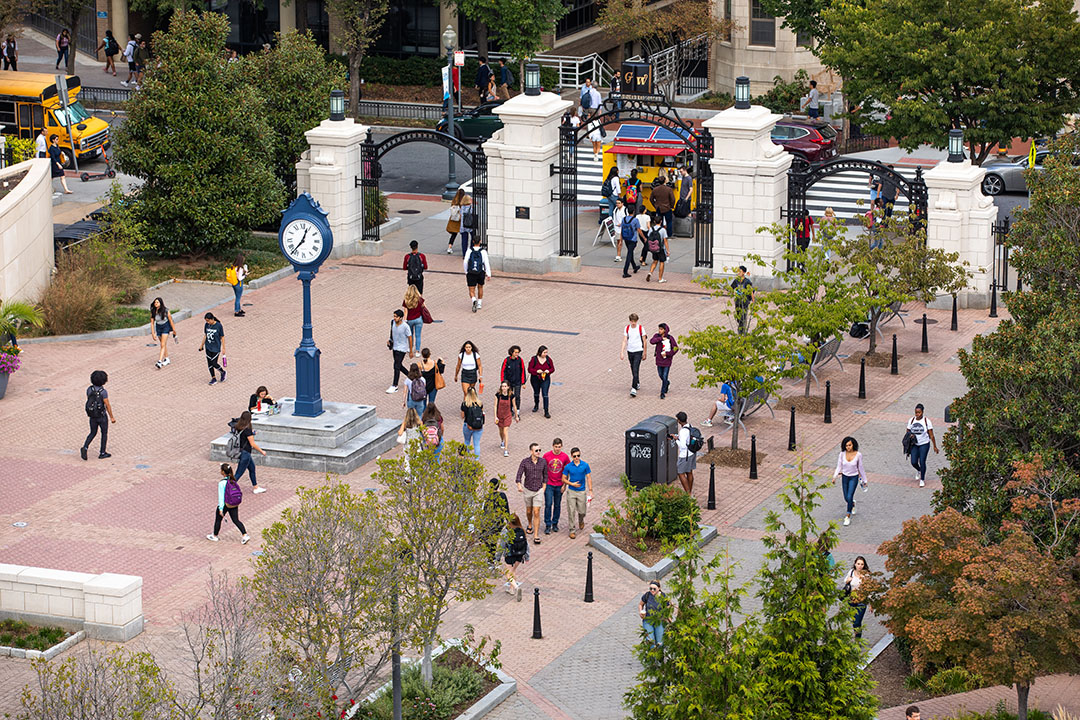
{"x": 339, "y": 423}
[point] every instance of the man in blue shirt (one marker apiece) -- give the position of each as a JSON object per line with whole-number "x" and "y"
{"x": 578, "y": 478}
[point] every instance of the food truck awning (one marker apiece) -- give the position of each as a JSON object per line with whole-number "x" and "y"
{"x": 644, "y": 150}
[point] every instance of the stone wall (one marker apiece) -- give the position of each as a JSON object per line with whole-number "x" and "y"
{"x": 26, "y": 232}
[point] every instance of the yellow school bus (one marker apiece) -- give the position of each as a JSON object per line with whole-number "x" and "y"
{"x": 30, "y": 101}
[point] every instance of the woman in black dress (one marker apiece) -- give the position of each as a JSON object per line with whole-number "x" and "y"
{"x": 56, "y": 163}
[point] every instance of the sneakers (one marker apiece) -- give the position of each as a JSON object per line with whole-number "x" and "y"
{"x": 212, "y": 538}
{"x": 391, "y": 390}
{"x": 626, "y": 275}
{"x": 661, "y": 280}
{"x": 213, "y": 381}
{"x": 706, "y": 423}
{"x": 258, "y": 490}
{"x": 506, "y": 453}
{"x": 547, "y": 415}
{"x": 244, "y": 540}
{"x": 502, "y": 446}
{"x": 618, "y": 258}
{"x": 158, "y": 365}
{"x": 82, "y": 453}
{"x": 854, "y": 508}
{"x": 633, "y": 392}
{"x": 475, "y": 305}
{"x": 547, "y": 530}
{"x": 847, "y": 521}
{"x": 165, "y": 362}
{"x": 102, "y": 456}
{"x": 450, "y": 250}
{"x": 479, "y": 304}
{"x": 508, "y": 587}
{"x": 222, "y": 376}
{"x": 124, "y": 83}
{"x": 648, "y": 277}
{"x": 922, "y": 483}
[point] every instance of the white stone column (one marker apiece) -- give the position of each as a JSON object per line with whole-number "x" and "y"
{"x": 287, "y": 15}
{"x": 959, "y": 219}
{"x": 520, "y": 156}
{"x": 118, "y": 13}
{"x": 749, "y": 188}
{"x": 328, "y": 170}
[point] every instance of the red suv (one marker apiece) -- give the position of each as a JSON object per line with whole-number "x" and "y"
{"x": 813, "y": 141}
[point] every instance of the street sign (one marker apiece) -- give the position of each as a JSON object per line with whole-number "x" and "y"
{"x": 459, "y": 58}
{"x": 103, "y": 14}
{"x": 445, "y": 83}
{"x": 637, "y": 78}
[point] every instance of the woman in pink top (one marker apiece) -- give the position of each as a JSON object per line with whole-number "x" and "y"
{"x": 849, "y": 467}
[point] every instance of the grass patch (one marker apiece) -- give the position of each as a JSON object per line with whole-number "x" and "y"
{"x": 120, "y": 316}
{"x": 260, "y": 253}
{"x": 18, "y": 634}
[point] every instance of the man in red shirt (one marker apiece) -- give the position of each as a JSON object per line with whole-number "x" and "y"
{"x": 556, "y": 460}
{"x": 415, "y": 264}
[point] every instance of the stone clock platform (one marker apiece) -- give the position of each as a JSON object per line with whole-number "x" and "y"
{"x": 341, "y": 439}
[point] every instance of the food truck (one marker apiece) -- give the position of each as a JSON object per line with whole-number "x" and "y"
{"x": 650, "y": 150}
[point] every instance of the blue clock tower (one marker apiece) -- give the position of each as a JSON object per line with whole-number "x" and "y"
{"x": 306, "y": 241}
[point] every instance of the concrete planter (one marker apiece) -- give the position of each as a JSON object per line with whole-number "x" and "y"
{"x": 3, "y": 384}
{"x": 506, "y": 687}
{"x": 657, "y": 571}
{"x": 6, "y": 651}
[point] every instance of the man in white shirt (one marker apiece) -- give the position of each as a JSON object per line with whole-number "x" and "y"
{"x": 812, "y": 104}
{"x": 687, "y": 460}
{"x": 477, "y": 270}
{"x": 634, "y": 349}
{"x": 41, "y": 145}
{"x": 129, "y": 55}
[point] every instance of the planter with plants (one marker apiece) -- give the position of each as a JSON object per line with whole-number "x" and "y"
{"x": 642, "y": 531}
{"x": 13, "y": 317}
{"x": 19, "y": 639}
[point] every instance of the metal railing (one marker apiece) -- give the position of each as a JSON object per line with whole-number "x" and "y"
{"x": 668, "y": 65}
{"x": 572, "y": 71}
{"x": 85, "y": 34}
{"x": 862, "y": 144}
{"x": 91, "y": 95}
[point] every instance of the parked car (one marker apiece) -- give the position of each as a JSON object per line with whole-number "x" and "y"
{"x": 1007, "y": 174}
{"x": 477, "y": 124}
{"x": 813, "y": 141}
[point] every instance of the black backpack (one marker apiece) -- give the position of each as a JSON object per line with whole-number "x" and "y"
{"x": 474, "y": 417}
{"x": 519, "y": 545}
{"x": 95, "y": 403}
{"x": 696, "y": 441}
{"x": 476, "y": 262}
{"x": 586, "y": 100}
{"x": 416, "y": 266}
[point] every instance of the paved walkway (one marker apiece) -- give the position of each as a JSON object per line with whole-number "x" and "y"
{"x": 145, "y": 510}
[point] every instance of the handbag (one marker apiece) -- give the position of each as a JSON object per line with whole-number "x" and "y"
{"x": 425, "y": 314}
{"x": 470, "y": 220}
{"x": 455, "y": 213}
{"x": 440, "y": 381}
{"x": 682, "y": 208}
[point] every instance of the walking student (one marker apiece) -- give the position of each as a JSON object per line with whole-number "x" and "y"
{"x": 63, "y": 45}
{"x": 432, "y": 370}
{"x": 612, "y": 192}
{"x": 541, "y": 368}
{"x": 618, "y": 214}
{"x": 477, "y": 270}
{"x": 506, "y": 80}
{"x": 99, "y": 411}
{"x": 161, "y": 325}
{"x": 56, "y": 162}
{"x": 644, "y": 226}
{"x": 649, "y": 609}
{"x": 483, "y": 76}
{"x": 11, "y": 54}
{"x": 414, "y": 265}
{"x": 578, "y": 478}
{"x": 247, "y": 444}
{"x": 111, "y": 48}
{"x": 633, "y": 349}
{"x": 663, "y": 200}
{"x": 813, "y": 101}
{"x": 517, "y": 552}
{"x": 469, "y": 367}
{"x": 235, "y": 275}
{"x": 656, "y": 242}
{"x": 629, "y": 228}
{"x": 852, "y": 589}
{"x": 229, "y": 497}
{"x": 214, "y": 343}
{"x": 472, "y": 416}
{"x": 416, "y": 314}
{"x": 453, "y": 225}
{"x": 530, "y": 479}
{"x": 849, "y": 468}
{"x": 400, "y": 344}
{"x": 504, "y": 415}
{"x": 129, "y": 56}
{"x": 666, "y": 347}
{"x": 556, "y": 461}
{"x": 513, "y": 374}
{"x": 923, "y": 431}
{"x": 687, "y": 458}
{"x": 416, "y": 397}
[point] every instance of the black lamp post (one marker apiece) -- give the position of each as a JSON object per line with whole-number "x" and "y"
{"x": 449, "y": 38}
{"x": 956, "y": 145}
{"x": 337, "y": 105}
{"x": 532, "y": 79}
{"x": 742, "y": 93}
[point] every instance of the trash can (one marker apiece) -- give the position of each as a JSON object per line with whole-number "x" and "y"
{"x": 650, "y": 452}
{"x": 683, "y": 227}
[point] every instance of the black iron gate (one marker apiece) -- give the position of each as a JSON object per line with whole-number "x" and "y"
{"x": 654, "y": 110}
{"x": 1000, "y": 231}
{"x": 371, "y": 170}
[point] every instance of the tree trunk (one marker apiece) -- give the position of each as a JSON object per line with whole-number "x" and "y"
{"x": 1022, "y": 701}
{"x": 737, "y": 407}
{"x": 354, "y": 82}
{"x": 874, "y": 315}
{"x": 425, "y": 664}
{"x": 73, "y": 21}
{"x": 481, "y": 32}
{"x": 521, "y": 76}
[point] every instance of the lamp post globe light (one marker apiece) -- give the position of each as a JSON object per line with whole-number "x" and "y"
{"x": 532, "y": 79}
{"x": 742, "y": 93}
{"x": 337, "y": 105}
{"x": 956, "y": 145}
{"x": 449, "y": 38}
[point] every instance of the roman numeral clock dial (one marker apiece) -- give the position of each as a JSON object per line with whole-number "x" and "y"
{"x": 302, "y": 242}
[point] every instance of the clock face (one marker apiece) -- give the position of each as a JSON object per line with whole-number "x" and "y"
{"x": 302, "y": 242}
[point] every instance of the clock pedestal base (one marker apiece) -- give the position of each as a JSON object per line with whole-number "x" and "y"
{"x": 341, "y": 439}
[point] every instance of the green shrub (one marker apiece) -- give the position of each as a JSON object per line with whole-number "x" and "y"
{"x": 448, "y": 689}
{"x": 375, "y": 207}
{"x": 21, "y": 148}
{"x": 660, "y": 512}
{"x": 1000, "y": 712}
{"x": 954, "y": 680}
{"x": 784, "y": 97}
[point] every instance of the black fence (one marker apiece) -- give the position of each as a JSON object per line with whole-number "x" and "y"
{"x": 85, "y": 35}
{"x": 1000, "y": 231}
{"x": 862, "y": 144}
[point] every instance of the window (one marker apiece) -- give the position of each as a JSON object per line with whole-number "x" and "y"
{"x": 7, "y": 113}
{"x": 803, "y": 39}
{"x": 75, "y": 110}
{"x": 727, "y": 19}
{"x": 581, "y": 14}
{"x": 762, "y": 26}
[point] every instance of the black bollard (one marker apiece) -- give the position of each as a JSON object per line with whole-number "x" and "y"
{"x": 753, "y": 457}
{"x": 588, "y": 584}
{"x": 711, "y": 503}
{"x": 537, "y": 635}
{"x": 862, "y": 379}
{"x": 791, "y": 431}
{"x": 895, "y": 369}
{"x": 993, "y": 300}
{"x": 828, "y": 402}
{"x": 954, "y": 326}
{"x": 925, "y": 344}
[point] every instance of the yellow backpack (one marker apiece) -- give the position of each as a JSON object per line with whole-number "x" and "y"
{"x": 230, "y": 276}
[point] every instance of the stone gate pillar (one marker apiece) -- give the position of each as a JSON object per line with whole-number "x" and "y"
{"x": 328, "y": 170}
{"x": 749, "y": 188}
{"x": 520, "y": 156}
{"x": 959, "y": 219}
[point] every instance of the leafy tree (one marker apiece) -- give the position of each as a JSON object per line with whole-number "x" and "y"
{"x": 806, "y": 657}
{"x": 802, "y": 16}
{"x": 658, "y": 29}
{"x": 998, "y": 68}
{"x": 755, "y": 360}
{"x": 891, "y": 263}
{"x": 521, "y": 26}
{"x": 325, "y": 583}
{"x": 196, "y": 135}
{"x": 1002, "y": 610}
{"x": 704, "y": 670}
{"x": 785, "y": 97}
{"x": 441, "y": 510}
{"x": 295, "y": 79}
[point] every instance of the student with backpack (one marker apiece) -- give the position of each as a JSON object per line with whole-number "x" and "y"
{"x": 416, "y": 315}
{"x": 214, "y": 343}
{"x": 245, "y": 444}
{"x": 689, "y": 441}
{"x": 432, "y": 430}
{"x": 633, "y": 192}
{"x": 111, "y": 48}
{"x": 415, "y": 391}
{"x": 644, "y": 226}
{"x": 97, "y": 410}
{"x": 634, "y": 350}
{"x": 541, "y": 368}
{"x": 477, "y": 270}
{"x": 666, "y": 347}
{"x": 629, "y": 227}
{"x": 611, "y": 190}
{"x": 472, "y": 416}
{"x": 656, "y": 242}
{"x": 414, "y": 265}
{"x": 506, "y": 79}
{"x": 513, "y": 374}
{"x": 229, "y": 498}
{"x": 235, "y": 275}
{"x": 517, "y": 552}
{"x": 618, "y": 214}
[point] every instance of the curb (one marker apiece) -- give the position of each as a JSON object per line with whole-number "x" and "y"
{"x": 879, "y": 647}
{"x": 657, "y": 571}
{"x": 6, "y": 651}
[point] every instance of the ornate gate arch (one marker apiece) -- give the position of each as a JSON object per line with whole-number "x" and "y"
{"x": 654, "y": 110}
{"x": 371, "y": 170}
